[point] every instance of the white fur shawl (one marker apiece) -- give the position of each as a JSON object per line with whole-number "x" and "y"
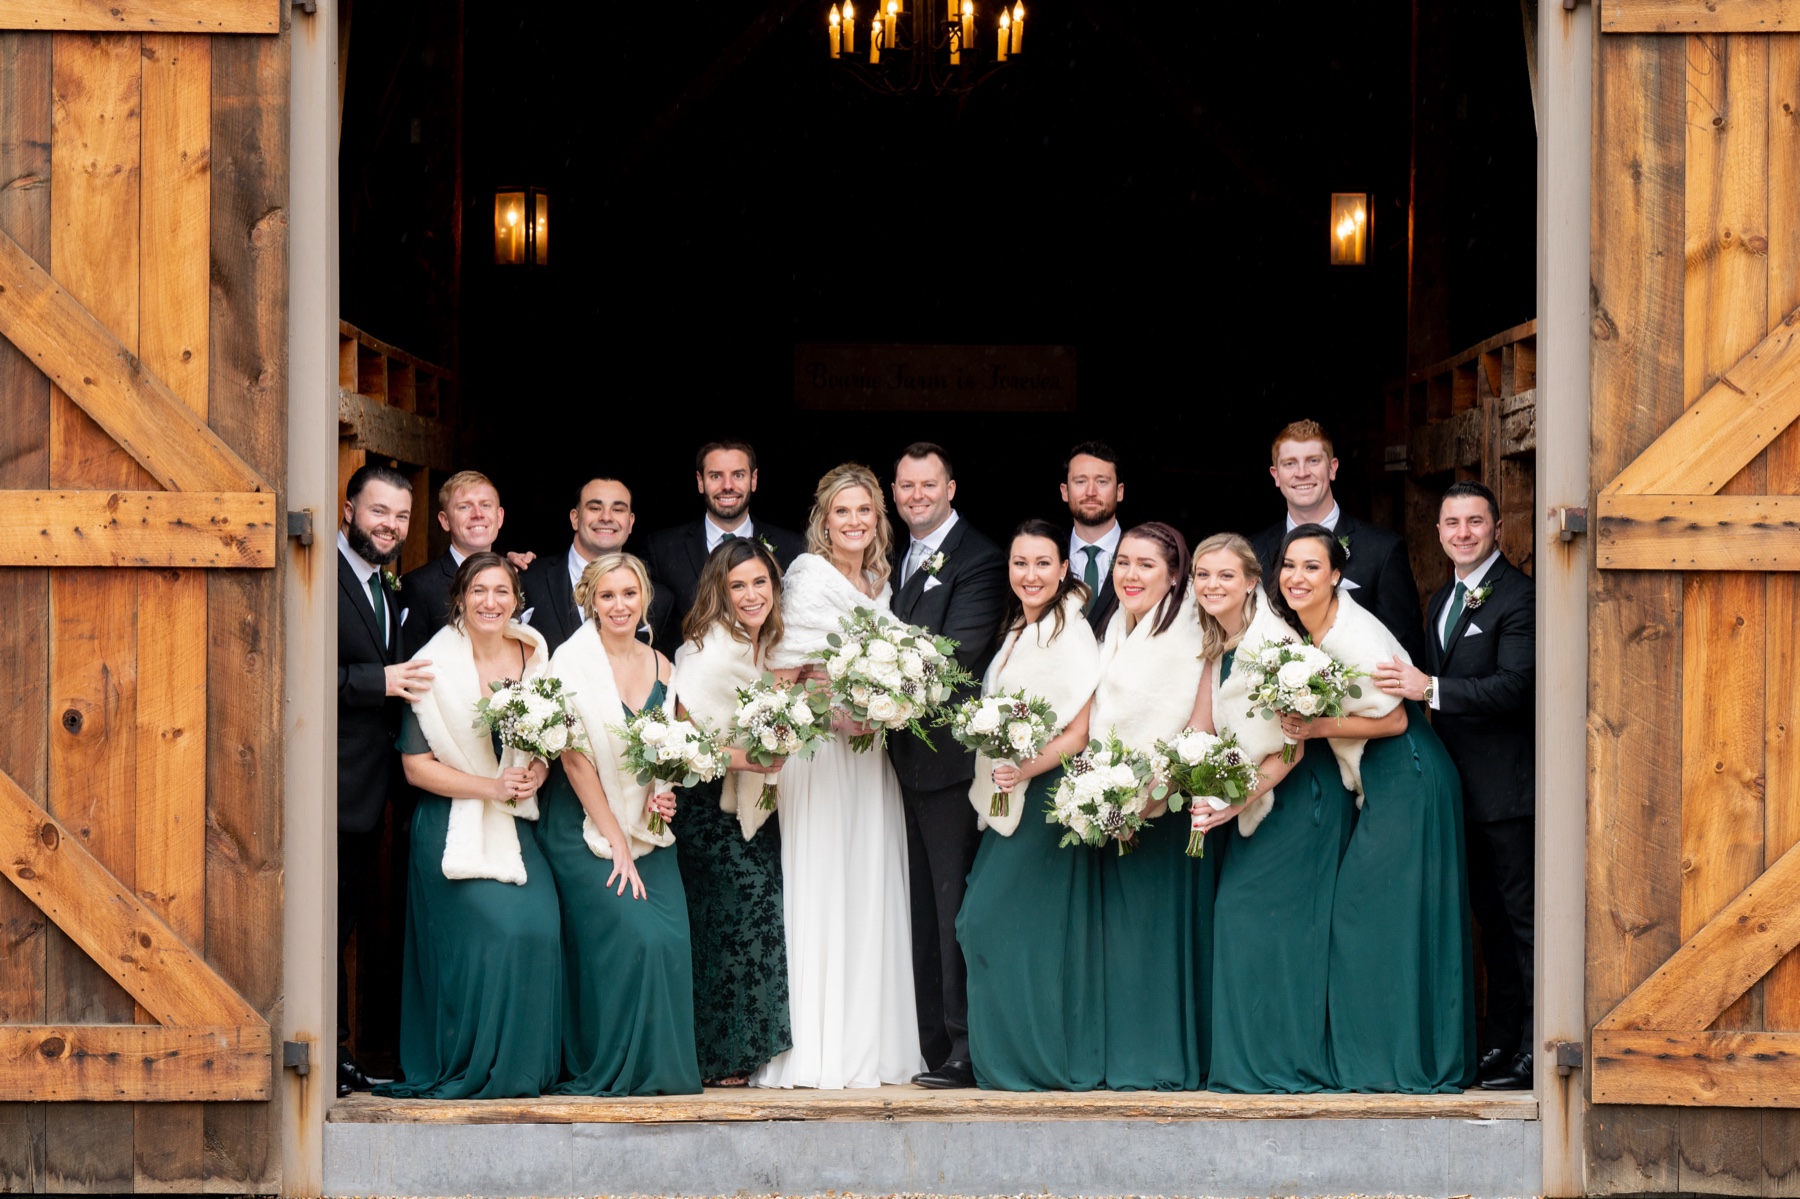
{"x": 710, "y": 675}
{"x": 1148, "y": 684}
{"x": 813, "y": 597}
{"x": 1357, "y": 638}
{"x": 1231, "y": 705}
{"x": 1061, "y": 671}
{"x": 582, "y": 665}
{"x": 482, "y": 841}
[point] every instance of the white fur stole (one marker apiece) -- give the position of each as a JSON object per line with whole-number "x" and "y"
{"x": 481, "y": 841}
{"x": 1231, "y": 704}
{"x": 1148, "y": 683}
{"x": 814, "y": 595}
{"x": 710, "y": 675}
{"x": 582, "y": 665}
{"x": 1061, "y": 671}
{"x": 1358, "y": 639}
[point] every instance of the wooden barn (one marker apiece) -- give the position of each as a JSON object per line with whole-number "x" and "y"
{"x": 192, "y": 360}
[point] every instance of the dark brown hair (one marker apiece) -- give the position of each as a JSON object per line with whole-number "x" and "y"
{"x": 1174, "y": 549}
{"x": 920, "y": 450}
{"x": 729, "y": 444}
{"x": 712, "y": 599}
{"x": 1070, "y": 585}
{"x": 473, "y": 565}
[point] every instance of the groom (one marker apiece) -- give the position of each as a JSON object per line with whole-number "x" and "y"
{"x": 950, "y": 580}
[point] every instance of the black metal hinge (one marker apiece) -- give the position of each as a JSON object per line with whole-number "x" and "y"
{"x": 297, "y": 1056}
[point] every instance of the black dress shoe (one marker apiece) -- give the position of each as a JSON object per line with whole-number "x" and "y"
{"x": 1493, "y": 1061}
{"x": 350, "y": 1075}
{"x": 1515, "y": 1077}
{"x": 949, "y": 1076}
{"x": 343, "y": 1090}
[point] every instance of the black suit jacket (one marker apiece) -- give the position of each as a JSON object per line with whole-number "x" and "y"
{"x": 1101, "y": 605}
{"x": 1487, "y": 693}
{"x": 550, "y": 600}
{"x": 425, "y": 601}
{"x": 966, "y": 604}
{"x": 675, "y": 558}
{"x": 369, "y": 771}
{"x": 1378, "y": 566}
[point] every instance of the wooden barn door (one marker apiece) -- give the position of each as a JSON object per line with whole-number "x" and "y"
{"x": 1694, "y": 706}
{"x": 143, "y": 152}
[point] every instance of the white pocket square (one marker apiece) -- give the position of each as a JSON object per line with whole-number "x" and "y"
{"x": 525, "y": 616}
{"x": 933, "y": 581}
{"x": 404, "y": 613}
{"x": 1350, "y": 585}
{"x": 1472, "y": 629}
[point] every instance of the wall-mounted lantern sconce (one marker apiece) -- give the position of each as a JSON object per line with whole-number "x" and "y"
{"x": 1352, "y": 221}
{"x": 521, "y": 226}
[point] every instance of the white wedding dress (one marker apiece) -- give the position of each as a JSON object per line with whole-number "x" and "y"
{"x": 843, "y": 865}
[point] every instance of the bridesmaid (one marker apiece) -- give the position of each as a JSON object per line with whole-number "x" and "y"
{"x": 730, "y": 851}
{"x": 1273, "y": 910}
{"x": 629, "y": 1017}
{"x": 481, "y": 992}
{"x": 1400, "y": 1006}
{"x": 1030, "y": 920}
{"x": 1156, "y": 901}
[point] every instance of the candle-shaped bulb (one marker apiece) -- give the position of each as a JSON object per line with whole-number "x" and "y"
{"x": 837, "y": 33}
{"x": 968, "y": 9}
{"x": 512, "y": 216}
{"x": 1005, "y": 36}
{"x": 1018, "y": 27}
{"x": 849, "y": 27}
{"x": 875, "y": 39}
{"x": 1359, "y": 216}
{"x": 835, "y": 17}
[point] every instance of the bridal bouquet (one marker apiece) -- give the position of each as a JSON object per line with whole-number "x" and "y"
{"x": 1288, "y": 676}
{"x": 777, "y": 720}
{"x": 1209, "y": 772}
{"x": 889, "y": 674}
{"x": 1103, "y": 793}
{"x": 534, "y": 718}
{"x": 675, "y": 751}
{"x": 1006, "y": 728}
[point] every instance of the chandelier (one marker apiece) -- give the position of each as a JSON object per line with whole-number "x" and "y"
{"x": 936, "y": 48}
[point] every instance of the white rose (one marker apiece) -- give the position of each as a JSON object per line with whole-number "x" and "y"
{"x": 1315, "y": 657}
{"x": 882, "y": 709}
{"x": 1306, "y": 703}
{"x": 1018, "y": 734}
{"x": 911, "y": 664}
{"x": 1123, "y": 778}
{"x": 769, "y": 740}
{"x": 653, "y": 732}
{"x": 801, "y": 713}
{"x": 882, "y": 651}
{"x": 987, "y": 720}
{"x": 539, "y": 709}
{"x": 1270, "y": 656}
{"x": 859, "y": 695}
{"x": 556, "y": 738}
{"x": 1294, "y": 675}
{"x": 839, "y": 666}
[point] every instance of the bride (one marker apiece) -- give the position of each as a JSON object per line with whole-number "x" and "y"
{"x": 843, "y": 830}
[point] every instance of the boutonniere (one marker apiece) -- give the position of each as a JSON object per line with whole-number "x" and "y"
{"x": 391, "y": 581}
{"x": 1477, "y": 597}
{"x": 1345, "y": 542}
{"x": 766, "y": 544}
{"x": 934, "y": 564}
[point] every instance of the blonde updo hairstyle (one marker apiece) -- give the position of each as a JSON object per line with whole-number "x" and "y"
{"x": 818, "y": 539}
{"x": 1213, "y": 640}
{"x": 604, "y": 565}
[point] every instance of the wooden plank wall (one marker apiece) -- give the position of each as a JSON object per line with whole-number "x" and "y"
{"x": 1694, "y": 780}
{"x": 146, "y": 171}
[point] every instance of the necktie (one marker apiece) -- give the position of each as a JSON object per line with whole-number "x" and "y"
{"x": 380, "y": 601}
{"x": 1456, "y": 607}
{"x": 724, "y": 537}
{"x": 1090, "y": 574}
{"x": 914, "y": 558}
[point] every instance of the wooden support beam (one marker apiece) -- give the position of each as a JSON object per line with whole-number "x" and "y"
{"x": 138, "y": 528}
{"x": 1698, "y": 532}
{"x": 88, "y": 363}
{"x": 1727, "y": 427}
{"x": 1700, "y": 16}
{"x": 142, "y": 16}
{"x": 1696, "y": 1069}
{"x": 390, "y": 432}
{"x": 133, "y": 1062}
{"x": 110, "y": 924}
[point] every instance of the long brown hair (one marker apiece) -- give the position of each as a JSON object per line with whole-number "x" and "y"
{"x": 1167, "y": 539}
{"x": 471, "y": 566}
{"x": 1336, "y": 558}
{"x": 818, "y": 540}
{"x": 1214, "y": 641}
{"x": 1014, "y": 620}
{"x": 712, "y": 603}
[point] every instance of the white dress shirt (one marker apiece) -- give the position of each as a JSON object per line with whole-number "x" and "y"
{"x": 1330, "y": 521}
{"x": 1472, "y": 580}
{"x": 1103, "y": 561}
{"x": 456, "y": 555}
{"x": 715, "y": 535}
{"x": 577, "y": 564}
{"x": 922, "y": 548}
{"x": 363, "y": 573}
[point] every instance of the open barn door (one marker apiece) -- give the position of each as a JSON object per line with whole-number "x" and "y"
{"x": 142, "y": 444}
{"x": 1694, "y": 704}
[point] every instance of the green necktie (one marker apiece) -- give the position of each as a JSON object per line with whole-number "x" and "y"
{"x": 1456, "y": 607}
{"x": 380, "y": 601}
{"x": 724, "y": 537}
{"x": 1090, "y": 574}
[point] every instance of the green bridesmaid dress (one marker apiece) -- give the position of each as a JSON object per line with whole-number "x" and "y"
{"x": 734, "y": 900}
{"x": 1272, "y": 938}
{"x": 1157, "y": 914}
{"x": 481, "y": 996}
{"x": 1402, "y": 1013}
{"x": 628, "y": 1026}
{"x": 1030, "y": 929}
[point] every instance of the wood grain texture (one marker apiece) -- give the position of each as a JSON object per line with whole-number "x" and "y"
{"x": 142, "y": 16}
{"x": 389, "y": 432}
{"x": 244, "y": 652}
{"x": 1634, "y": 620}
{"x": 1720, "y": 961}
{"x": 49, "y": 863}
{"x": 1690, "y": 16}
{"x": 128, "y": 1062}
{"x": 24, "y": 593}
{"x": 1697, "y": 532}
{"x": 1710, "y": 1068}
{"x": 138, "y": 528}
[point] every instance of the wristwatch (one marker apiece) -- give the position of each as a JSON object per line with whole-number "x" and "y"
{"x": 1430, "y": 688}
